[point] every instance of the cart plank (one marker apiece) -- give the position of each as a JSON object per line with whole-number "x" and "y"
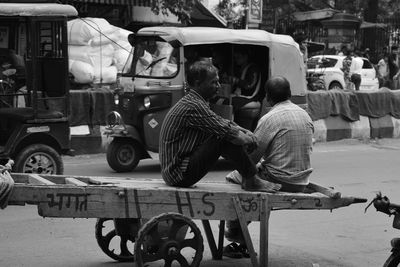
{"x": 74, "y": 181}
{"x": 37, "y": 179}
{"x": 99, "y": 197}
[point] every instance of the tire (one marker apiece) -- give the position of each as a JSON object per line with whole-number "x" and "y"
{"x": 335, "y": 85}
{"x": 393, "y": 260}
{"x": 40, "y": 159}
{"x": 163, "y": 238}
{"x": 123, "y": 155}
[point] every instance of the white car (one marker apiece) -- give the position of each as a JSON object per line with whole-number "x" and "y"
{"x": 329, "y": 67}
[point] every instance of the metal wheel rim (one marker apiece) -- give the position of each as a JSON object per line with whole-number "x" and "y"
{"x": 158, "y": 247}
{"x": 126, "y": 154}
{"x": 41, "y": 163}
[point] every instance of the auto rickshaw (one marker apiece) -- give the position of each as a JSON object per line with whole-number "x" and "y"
{"x": 160, "y": 60}
{"x": 34, "y": 127}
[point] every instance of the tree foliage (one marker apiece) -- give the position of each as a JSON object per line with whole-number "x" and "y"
{"x": 233, "y": 11}
{"x": 179, "y": 8}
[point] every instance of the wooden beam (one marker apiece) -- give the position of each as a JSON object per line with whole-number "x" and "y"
{"x": 221, "y": 239}
{"x": 264, "y": 230}
{"x": 37, "y": 179}
{"x": 145, "y": 199}
{"x": 245, "y": 231}
{"x": 210, "y": 239}
{"x": 74, "y": 181}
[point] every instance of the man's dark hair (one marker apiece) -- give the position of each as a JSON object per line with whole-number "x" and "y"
{"x": 200, "y": 71}
{"x": 277, "y": 89}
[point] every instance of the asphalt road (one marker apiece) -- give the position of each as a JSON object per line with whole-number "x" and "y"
{"x": 343, "y": 237}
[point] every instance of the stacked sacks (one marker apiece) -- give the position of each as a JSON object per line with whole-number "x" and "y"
{"x": 97, "y": 50}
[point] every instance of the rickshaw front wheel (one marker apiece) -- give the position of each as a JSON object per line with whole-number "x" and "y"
{"x": 40, "y": 159}
{"x": 123, "y": 155}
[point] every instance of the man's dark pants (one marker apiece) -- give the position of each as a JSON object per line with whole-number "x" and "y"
{"x": 356, "y": 79}
{"x": 207, "y": 155}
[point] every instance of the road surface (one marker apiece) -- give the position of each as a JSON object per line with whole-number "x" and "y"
{"x": 344, "y": 237}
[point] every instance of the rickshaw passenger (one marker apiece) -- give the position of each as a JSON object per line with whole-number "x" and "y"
{"x": 284, "y": 151}
{"x": 193, "y": 137}
{"x": 247, "y": 83}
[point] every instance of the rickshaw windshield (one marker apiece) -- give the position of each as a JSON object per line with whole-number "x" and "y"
{"x": 155, "y": 58}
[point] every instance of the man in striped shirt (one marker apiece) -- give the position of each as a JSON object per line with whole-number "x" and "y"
{"x": 193, "y": 137}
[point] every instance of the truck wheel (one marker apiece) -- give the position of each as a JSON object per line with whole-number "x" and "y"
{"x": 123, "y": 155}
{"x": 335, "y": 85}
{"x": 40, "y": 159}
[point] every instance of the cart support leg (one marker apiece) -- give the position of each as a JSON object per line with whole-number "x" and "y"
{"x": 245, "y": 231}
{"x": 264, "y": 229}
{"x": 210, "y": 239}
{"x": 216, "y": 252}
{"x": 221, "y": 238}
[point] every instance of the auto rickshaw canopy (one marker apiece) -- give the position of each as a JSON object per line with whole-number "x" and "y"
{"x": 37, "y": 9}
{"x": 285, "y": 58}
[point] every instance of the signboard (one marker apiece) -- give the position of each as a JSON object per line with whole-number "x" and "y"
{"x": 255, "y": 11}
{"x": 268, "y": 20}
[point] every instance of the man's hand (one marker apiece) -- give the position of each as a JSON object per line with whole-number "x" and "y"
{"x": 246, "y": 138}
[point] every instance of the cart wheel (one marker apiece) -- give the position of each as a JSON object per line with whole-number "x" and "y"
{"x": 123, "y": 155}
{"x": 39, "y": 158}
{"x": 116, "y": 246}
{"x": 168, "y": 237}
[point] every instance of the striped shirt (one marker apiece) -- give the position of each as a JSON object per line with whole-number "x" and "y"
{"x": 187, "y": 125}
{"x": 285, "y": 143}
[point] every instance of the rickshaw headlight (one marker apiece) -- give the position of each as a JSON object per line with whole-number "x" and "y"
{"x": 146, "y": 102}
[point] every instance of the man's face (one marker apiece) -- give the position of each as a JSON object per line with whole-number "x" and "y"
{"x": 209, "y": 87}
{"x": 240, "y": 58}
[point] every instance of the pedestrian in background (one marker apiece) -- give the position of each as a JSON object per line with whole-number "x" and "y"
{"x": 393, "y": 72}
{"x": 355, "y": 70}
{"x": 343, "y": 51}
{"x": 383, "y": 70}
{"x": 346, "y": 69}
{"x": 366, "y": 53}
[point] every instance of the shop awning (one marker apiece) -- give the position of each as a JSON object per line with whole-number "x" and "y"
{"x": 366, "y": 25}
{"x": 314, "y": 14}
{"x": 105, "y": 2}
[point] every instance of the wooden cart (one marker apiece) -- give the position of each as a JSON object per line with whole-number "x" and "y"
{"x": 158, "y": 218}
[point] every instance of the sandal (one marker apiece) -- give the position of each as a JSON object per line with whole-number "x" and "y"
{"x": 243, "y": 249}
{"x": 232, "y": 251}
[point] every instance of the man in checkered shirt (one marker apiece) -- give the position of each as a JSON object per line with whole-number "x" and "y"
{"x": 284, "y": 137}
